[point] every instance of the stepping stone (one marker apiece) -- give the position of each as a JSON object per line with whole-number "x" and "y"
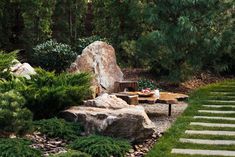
{"x": 219, "y": 106}
{"x": 219, "y": 112}
{"x": 203, "y": 152}
{"x": 215, "y": 118}
{"x": 209, "y": 142}
{"x": 222, "y": 93}
{"x": 222, "y": 101}
{"x": 213, "y": 125}
{"x": 209, "y": 132}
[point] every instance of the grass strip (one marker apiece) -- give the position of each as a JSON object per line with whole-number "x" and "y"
{"x": 170, "y": 139}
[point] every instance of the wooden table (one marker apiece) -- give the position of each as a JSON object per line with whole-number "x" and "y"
{"x": 165, "y": 97}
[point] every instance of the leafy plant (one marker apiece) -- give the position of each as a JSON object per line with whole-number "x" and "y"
{"x": 14, "y": 117}
{"x": 17, "y": 148}
{"x": 53, "y": 56}
{"x": 145, "y": 83}
{"x": 58, "y": 128}
{"x": 101, "y": 146}
{"x": 71, "y": 153}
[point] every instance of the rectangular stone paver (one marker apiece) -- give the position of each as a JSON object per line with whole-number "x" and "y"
{"x": 219, "y": 106}
{"x": 209, "y": 132}
{"x": 222, "y": 101}
{"x": 222, "y": 93}
{"x": 213, "y": 125}
{"x": 213, "y": 111}
{"x": 209, "y": 142}
{"x": 203, "y": 152}
{"x": 215, "y": 118}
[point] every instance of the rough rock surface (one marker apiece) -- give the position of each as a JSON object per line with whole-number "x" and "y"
{"x": 131, "y": 122}
{"x": 22, "y": 70}
{"x": 99, "y": 59}
{"x": 106, "y": 101}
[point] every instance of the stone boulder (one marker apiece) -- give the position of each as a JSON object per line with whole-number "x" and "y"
{"x": 106, "y": 101}
{"x": 130, "y": 123}
{"x": 22, "y": 70}
{"x": 99, "y": 59}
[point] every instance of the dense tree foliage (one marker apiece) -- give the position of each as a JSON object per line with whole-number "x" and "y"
{"x": 188, "y": 36}
{"x": 172, "y": 37}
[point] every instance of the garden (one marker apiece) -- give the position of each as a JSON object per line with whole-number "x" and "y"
{"x": 107, "y": 78}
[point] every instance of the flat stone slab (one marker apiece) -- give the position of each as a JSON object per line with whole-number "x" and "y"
{"x": 219, "y": 106}
{"x": 209, "y": 132}
{"x": 222, "y": 101}
{"x": 208, "y": 117}
{"x": 203, "y": 152}
{"x": 213, "y": 111}
{"x": 209, "y": 142}
{"x": 213, "y": 125}
{"x": 222, "y": 93}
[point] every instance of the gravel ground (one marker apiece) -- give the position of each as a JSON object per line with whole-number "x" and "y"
{"x": 158, "y": 113}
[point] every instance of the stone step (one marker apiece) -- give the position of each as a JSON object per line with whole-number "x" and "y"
{"x": 209, "y": 142}
{"x": 210, "y": 132}
{"x": 203, "y": 152}
{"x": 221, "y": 101}
{"x": 213, "y": 111}
{"x": 223, "y": 93}
{"x": 215, "y": 118}
{"x": 213, "y": 125}
{"x": 219, "y": 106}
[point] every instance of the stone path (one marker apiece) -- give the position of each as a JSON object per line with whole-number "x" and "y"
{"x": 211, "y": 131}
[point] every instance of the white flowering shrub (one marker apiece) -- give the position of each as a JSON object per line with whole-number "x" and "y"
{"x": 53, "y": 56}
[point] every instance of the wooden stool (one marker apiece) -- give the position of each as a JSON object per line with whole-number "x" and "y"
{"x": 130, "y": 99}
{"x": 121, "y": 86}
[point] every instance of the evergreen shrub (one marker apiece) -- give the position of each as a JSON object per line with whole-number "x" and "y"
{"x": 52, "y": 55}
{"x": 101, "y": 146}
{"x": 17, "y": 148}
{"x": 14, "y": 117}
{"x": 71, "y": 153}
{"x": 58, "y": 128}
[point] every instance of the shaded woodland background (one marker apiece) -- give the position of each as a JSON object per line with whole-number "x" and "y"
{"x": 172, "y": 38}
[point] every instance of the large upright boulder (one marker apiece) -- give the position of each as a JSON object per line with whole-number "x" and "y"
{"x": 99, "y": 59}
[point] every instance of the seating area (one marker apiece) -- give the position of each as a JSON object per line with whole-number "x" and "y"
{"x": 135, "y": 97}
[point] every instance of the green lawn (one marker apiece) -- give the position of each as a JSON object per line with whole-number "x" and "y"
{"x": 219, "y": 91}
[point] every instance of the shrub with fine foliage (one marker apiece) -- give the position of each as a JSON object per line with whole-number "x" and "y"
{"x": 71, "y": 153}
{"x": 51, "y": 55}
{"x": 5, "y": 63}
{"x": 17, "y": 148}
{"x": 101, "y": 146}
{"x": 46, "y": 93}
{"x": 58, "y": 128}
{"x": 14, "y": 117}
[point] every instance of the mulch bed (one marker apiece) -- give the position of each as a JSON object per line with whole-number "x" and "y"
{"x": 186, "y": 87}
